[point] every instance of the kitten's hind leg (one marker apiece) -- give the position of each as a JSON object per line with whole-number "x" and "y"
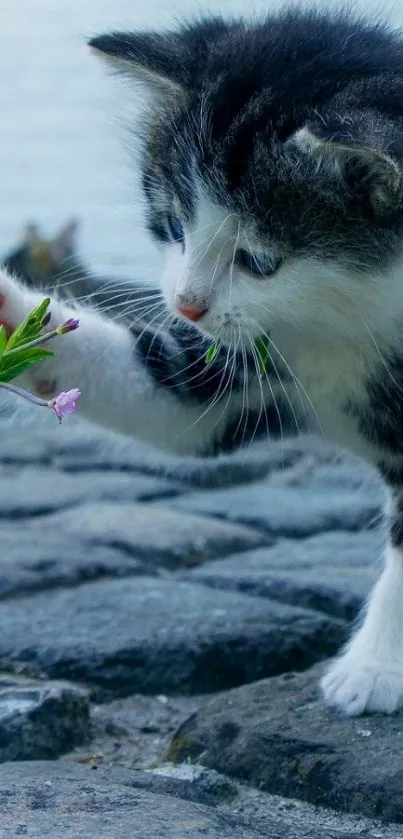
{"x": 368, "y": 677}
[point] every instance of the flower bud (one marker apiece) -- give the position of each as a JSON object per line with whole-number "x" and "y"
{"x": 68, "y": 326}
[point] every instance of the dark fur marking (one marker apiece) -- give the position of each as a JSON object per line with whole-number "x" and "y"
{"x": 381, "y": 421}
{"x": 396, "y": 524}
{"x": 392, "y": 473}
{"x": 176, "y": 361}
{"x": 274, "y": 423}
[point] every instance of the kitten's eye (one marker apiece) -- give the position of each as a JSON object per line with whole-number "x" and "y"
{"x": 176, "y": 229}
{"x": 261, "y": 265}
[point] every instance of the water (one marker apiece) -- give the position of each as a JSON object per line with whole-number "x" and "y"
{"x": 63, "y": 136}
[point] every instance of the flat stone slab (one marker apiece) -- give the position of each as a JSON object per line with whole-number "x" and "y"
{"x": 153, "y": 635}
{"x": 340, "y": 471}
{"x": 33, "y": 560}
{"x": 41, "y": 720}
{"x": 37, "y": 491}
{"x": 82, "y": 448}
{"x": 332, "y": 572}
{"x": 58, "y": 801}
{"x": 264, "y": 811}
{"x": 61, "y": 801}
{"x": 110, "y": 540}
{"x": 277, "y": 735}
{"x": 162, "y": 537}
{"x": 288, "y": 511}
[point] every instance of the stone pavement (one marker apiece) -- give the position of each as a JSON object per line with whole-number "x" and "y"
{"x": 162, "y": 632}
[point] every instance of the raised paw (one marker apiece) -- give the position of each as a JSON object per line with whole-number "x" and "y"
{"x": 356, "y": 685}
{"x": 16, "y": 301}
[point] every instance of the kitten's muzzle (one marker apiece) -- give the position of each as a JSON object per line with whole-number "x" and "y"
{"x": 193, "y": 313}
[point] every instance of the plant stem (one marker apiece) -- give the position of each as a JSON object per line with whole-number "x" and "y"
{"x": 41, "y": 340}
{"x": 25, "y": 394}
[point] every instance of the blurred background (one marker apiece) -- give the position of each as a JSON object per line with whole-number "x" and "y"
{"x": 65, "y": 128}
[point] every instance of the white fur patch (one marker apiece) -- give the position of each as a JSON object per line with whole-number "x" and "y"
{"x": 369, "y": 675}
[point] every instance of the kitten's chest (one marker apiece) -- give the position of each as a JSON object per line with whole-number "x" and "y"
{"x": 326, "y": 367}
{"x": 328, "y": 381}
{"x": 337, "y": 374}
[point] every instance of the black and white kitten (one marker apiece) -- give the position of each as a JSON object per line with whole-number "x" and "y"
{"x": 272, "y": 170}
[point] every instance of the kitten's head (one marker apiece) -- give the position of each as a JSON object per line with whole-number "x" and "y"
{"x": 272, "y": 168}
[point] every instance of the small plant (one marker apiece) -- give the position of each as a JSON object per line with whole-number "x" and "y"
{"x": 23, "y": 348}
{"x": 262, "y": 353}
{"x": 261, "y": 349}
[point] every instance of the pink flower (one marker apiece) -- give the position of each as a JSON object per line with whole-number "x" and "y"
{"x": 65, "y": 403}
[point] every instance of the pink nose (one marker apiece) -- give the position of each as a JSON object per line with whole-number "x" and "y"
{"x": 193, "y": 313}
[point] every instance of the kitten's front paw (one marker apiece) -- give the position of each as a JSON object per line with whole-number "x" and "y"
{"x": 356, "y": 684}
{"x": 16, "y": 301}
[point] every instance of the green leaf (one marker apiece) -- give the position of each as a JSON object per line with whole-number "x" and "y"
{"x": 31, "y": 326}
{"x": 211, "y": 353}
{"x": 261, "y": 345}
{"x": 3, "y": 340}
{"x": 41, "y": 310}
{"x": 262, "y": 352}
{"x": 20, "y": 362}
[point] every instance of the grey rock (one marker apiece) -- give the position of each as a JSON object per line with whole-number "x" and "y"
{"x": 161, "y": 536}
{"x": 37, "y": 491}
{"x": 41, "y": 720}
{"x": 222, "y": 471}
{"x": 332, "y": 572}
{"x": 22, "y": 448}
{"x": 289, "y": 511}
{"x": 135, "y": 731}
{"x": 277, "y": 735}
{"x": 36, "y": 558}
{"x": 264, "y": 811}
{"x": 58, "y": 801}
{"x": 61, "y": 801}
{"x": 345, "y": 472}
{"x": 110, "y": 540}
{"x": 81, "y": 448}
{"x": 194, "y": 783}
{"x": 152, "y": 635}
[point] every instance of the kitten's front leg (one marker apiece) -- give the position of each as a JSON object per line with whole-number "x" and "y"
{"x": 368, "y": 677}
{"x": 152, "y": 385}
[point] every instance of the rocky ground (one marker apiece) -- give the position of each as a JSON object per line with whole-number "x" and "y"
{"x": 162, "y": 631}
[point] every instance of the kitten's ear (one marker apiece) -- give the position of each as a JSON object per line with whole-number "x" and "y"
{"x": 148, "y": 57}
{"x": 375, "y": 176}
{"x": 170, "y": 62}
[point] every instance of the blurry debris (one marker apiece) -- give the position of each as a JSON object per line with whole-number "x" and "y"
{"x": 53, "y": 264}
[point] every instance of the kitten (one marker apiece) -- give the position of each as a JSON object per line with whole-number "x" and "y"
{"x": 272, "y": 170}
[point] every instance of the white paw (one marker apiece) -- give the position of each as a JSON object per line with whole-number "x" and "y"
{"x": 356, "y": 684}
{"x": 15, "y": 303}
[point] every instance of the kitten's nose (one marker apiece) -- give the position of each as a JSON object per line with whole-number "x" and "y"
{"x": 193, "y": 312}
